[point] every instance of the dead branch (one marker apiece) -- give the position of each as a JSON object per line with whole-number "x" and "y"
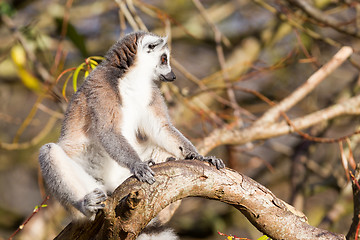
{"x": 313, "y": 81}
{"x": 297, "y": 23}
{"x": 134, "y": 204}
{"x": 34, "y": 141}
{"x": 228, "y": 135}
{"x": 321, "y": 17}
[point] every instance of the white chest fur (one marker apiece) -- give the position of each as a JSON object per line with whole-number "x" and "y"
{"x": 136, "y": 90}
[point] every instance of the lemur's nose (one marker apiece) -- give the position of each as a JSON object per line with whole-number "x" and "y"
{"x": 170, "y": 76}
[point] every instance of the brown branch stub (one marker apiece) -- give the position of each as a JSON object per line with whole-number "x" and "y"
{"x": 190, "y": 178}
{"x": 128, "y": 204}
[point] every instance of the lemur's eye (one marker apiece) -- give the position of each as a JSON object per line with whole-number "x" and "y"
{"x": 152, "y": 46}
{"x": 163, "y": 59}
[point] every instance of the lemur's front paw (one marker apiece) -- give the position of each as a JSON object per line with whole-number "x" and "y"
{"x": 93, "y": 201}
{"x": 217, "y": 162}
{"x": 143, "y": 172}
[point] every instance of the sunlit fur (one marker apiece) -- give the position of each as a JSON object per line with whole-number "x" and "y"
{"x": 167, "y": 234}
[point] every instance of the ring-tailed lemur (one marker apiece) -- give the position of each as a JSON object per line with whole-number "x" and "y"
{"x": 115, "y": 125}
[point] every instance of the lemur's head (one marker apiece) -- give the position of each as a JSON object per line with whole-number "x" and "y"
{"x": 145, "y": 50}
{"x": 154, "y": 54}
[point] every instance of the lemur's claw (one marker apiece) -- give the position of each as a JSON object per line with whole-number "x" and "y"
{"x": 169, "y": 159}
{"x": 217, "y": 162}
{"x": 151, "y": 162}
{"x": 193, "y": 155}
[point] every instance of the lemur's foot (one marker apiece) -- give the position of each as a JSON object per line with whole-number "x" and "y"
{"x": 217, "y": 162}
{"x": 93, "y": 201}
{"x": 143, "y": 172}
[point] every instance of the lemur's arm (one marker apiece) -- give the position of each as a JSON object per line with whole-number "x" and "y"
{"x": 106, "y": 115}
{"x": 173, "y": 141}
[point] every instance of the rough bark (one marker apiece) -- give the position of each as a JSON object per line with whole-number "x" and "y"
{"x": 134, "y": 204}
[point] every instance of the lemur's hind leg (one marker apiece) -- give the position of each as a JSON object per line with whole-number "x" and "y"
{"x": 68, "y": 181}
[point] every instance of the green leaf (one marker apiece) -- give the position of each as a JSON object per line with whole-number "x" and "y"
{"x": 64, "y": 86}
{"x": 98, "y": 58}
{"x": 264, "y": 237}
{"x": 76, "y": 75}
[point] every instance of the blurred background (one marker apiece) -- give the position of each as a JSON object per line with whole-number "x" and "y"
{"x": 271, "y": 47}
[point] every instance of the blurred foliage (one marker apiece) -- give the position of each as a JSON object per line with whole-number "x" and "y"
{"x": 19, "y": 58}
{"x": 6, "y": 8}
{"x": 270, "y": 47}
{"x": 77, "y": 39}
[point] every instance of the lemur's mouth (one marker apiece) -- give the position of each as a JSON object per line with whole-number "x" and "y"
{"x": 168, "y": 77}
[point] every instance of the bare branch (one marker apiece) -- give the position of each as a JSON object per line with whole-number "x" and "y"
{"x": 319, "y": 16}
{"x": 307, "y": 87}
{"x": 225, "y": 135}
{"x": 221, "y": 58}
{"x": 34, "y": 141}
{"x": 296, "y": 23}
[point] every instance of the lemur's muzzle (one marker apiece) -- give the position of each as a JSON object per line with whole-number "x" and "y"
{"x": 168, "y": 77}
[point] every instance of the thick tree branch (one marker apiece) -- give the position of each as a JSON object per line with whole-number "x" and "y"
{"x": 134, "y": 204}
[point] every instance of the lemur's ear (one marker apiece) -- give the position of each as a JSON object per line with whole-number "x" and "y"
{"x": 165, "y": 39}
{"x": 151, "y": 43}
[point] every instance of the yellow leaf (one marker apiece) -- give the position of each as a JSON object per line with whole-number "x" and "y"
{"x": 264, "y": 237}
{"x": 29, "y": 80}
{"x": 18, "y": 55}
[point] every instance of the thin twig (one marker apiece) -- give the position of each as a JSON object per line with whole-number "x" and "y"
{"x": 297, "y": 24}
{"x": 38, "y": 66}
{"x": 220, "y": 53}
{"x": 127, "y": 15}
{"x": 28, "y": 118}
{"x": 36, "y": 210}
{"x": 225, "y": 135}
{"x": 34, "y": 141}
{"x": 319, "y": 16}
{"x": 138, "y": 20}
{"x": 314, "y": 80}
{"x": 64, "y": 28}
